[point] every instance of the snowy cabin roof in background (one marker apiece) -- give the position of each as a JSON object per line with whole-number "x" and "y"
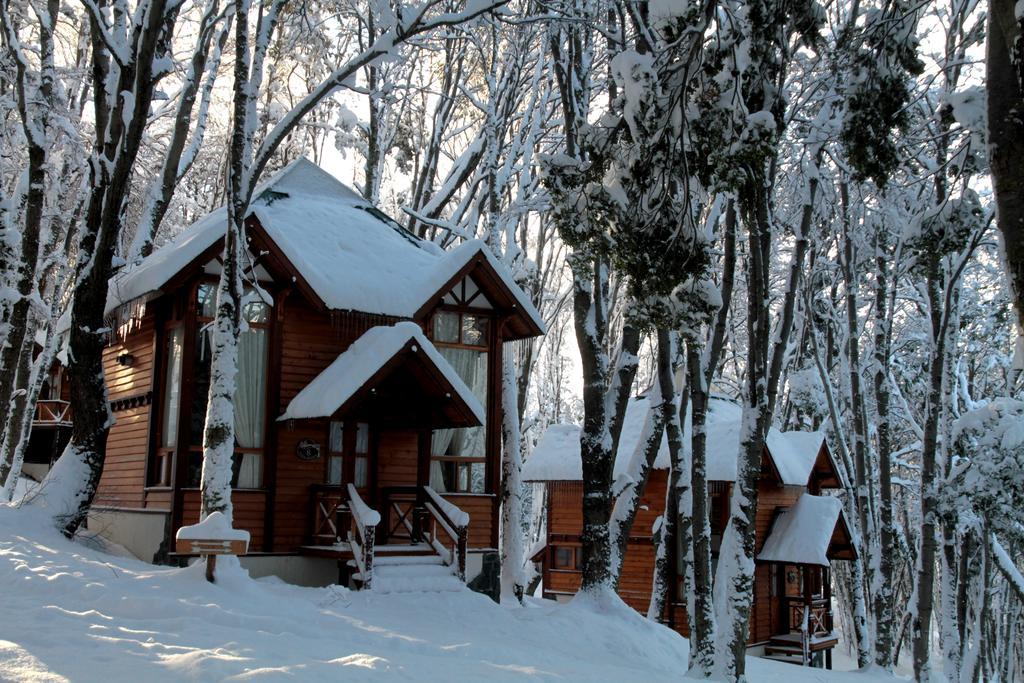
{"x": 345, "y": 252}
{"x": 813, "y": 531}
{"x": 793, "y": 455}
{"x": 370, "y": 360}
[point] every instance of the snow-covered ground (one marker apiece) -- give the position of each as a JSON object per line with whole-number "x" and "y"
{"x": 69, "y": 612}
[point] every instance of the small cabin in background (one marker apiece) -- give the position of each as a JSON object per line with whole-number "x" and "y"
{"x": 367, "y": 410}
{"x": 799, "y": 531}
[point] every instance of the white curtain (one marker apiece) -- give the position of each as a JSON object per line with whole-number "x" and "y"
{"x": 471, "y": 366}
{"x": 172, "y": 390}
{"x": 250, "y": 402}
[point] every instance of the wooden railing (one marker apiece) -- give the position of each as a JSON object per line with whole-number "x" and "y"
{"x": 454, "y": 523}
{"x": 810, "y": 619}
{"x": 52, "y": 413}
{"x": 818, "y": 616}
{"x": 328, "y": 501}
{"x": 361, "y": 535}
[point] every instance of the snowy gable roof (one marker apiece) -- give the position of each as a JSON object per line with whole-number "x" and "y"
{"x": 337, "y": 384}
{"x": 557, "y": 454}
{"x": 793, "y": 454}
{"x": 348, "y": 254}
{"x": 804, "y": 534}
{"x": 556, "y": 457}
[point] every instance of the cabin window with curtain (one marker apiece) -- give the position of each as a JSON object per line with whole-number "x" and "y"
{"x": 250, "y": 390}
{"x": 458, "y": 456}
{"x": 357, "y": 447}
{"x": 174, "y": 351}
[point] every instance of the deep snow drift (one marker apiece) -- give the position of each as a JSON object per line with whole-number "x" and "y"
{"x": 69, "y": 612}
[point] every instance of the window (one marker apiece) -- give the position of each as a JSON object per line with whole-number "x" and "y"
{"x": 459, "y": 455}
{"x": 338, "y": 449}
{"x": 565, "y": 557}
{"x": 250, "y": 390}
{"x": 174, "y": 351}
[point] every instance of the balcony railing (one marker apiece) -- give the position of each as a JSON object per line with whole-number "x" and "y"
{"x": 52, "y": 413}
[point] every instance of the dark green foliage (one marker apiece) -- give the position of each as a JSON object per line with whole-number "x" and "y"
{"x": 878, "y": 93}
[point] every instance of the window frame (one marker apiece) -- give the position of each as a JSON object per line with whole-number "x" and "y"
{"x": 348, "y": 453}
{"x": 575, "y": 563}
{"x": 489, "y": 347}
{"x": 181, "y": 307}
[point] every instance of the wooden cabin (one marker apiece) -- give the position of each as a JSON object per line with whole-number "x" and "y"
{"x": 792, "y": 567}
{"x": 367, "y": 411}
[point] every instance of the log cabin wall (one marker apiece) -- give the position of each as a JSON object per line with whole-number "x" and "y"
{"x": 766, "y": 617}
{"x": 130, "y": 388}
{"x": 565, "y": 524}
{"x": 310, "y": 340}
{"x": 305, "y": 341}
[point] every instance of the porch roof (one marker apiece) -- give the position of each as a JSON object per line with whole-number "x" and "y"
{"x": 813, "y": 531}
{"x": 364, "y": 381}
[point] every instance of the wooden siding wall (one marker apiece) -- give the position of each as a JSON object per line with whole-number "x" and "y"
{"x": 765, "y": 619}
{"x": 124, "y": 471}
{"x": 565, "y": 523}
{"x": 248, "y": 513}
{"x": 480, "y": 508}
{"x": 310, "y": 341}
{"x": 292, "y": 505}
{"x": 396, "y": 459}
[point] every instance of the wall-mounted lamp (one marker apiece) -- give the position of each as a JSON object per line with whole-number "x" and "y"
{"x": 126, "y": 359}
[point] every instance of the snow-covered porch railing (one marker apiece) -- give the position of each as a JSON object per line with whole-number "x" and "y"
{"x": 361, "y": 535}
{"x": 454, "y": 522}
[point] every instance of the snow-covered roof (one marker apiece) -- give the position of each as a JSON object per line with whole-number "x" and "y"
{"x": 794, "y": 454}
{"x": 349, "y": 254}
{"x": 556, "y": 457}
{"x": 557, "y": 454}
{"x": 803, "y": 534}
{"x": 361, "y": 361}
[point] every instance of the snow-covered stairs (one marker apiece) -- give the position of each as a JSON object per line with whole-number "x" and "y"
{"x": 393, "y": 573}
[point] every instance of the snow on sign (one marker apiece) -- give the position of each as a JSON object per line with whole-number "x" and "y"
{"x": 211, "y": 537}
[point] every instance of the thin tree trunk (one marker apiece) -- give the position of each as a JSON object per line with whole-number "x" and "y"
{"x": 15, "y": 356}
{"x": 1005, "y": 90}
{"x": 219, "y": 429}
{"x": 734, "y": 584}
{"x": 929, "y": 482}
{"x": 884, "y": 590}
{"x": 513, "y": 560}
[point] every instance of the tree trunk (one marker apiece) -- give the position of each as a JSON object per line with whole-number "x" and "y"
{"x": 596, "y": 453}
{"x": 702, "y": 619}
{"x": 884, "y": 590}
{"x": 35, "y": 123}
{"x": 675, "y": 527}
{"x": 929, "y": 483}
{"x": 1005, "y": 89}
{"x": 512, "y": 555}
{"x": 863, "y": 480}
{"x": 734, "y": 584}
{"x": 219, "y": 429}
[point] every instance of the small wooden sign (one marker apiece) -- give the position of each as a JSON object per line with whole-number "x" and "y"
{"x": 307, "y": 449}
{"x": 186, "y": 546}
